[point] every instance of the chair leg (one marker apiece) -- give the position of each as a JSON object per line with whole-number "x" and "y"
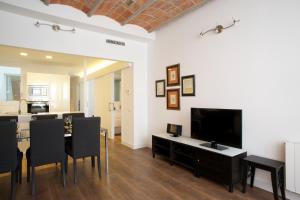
{"x": 13, "y": 185}
{"x": 66, "y": 163}
{"x": 28, "y": 171}
{"x": 20, "y": 170}
{"x": 32, "y": 181}
{"x": 99, "y": 165}
{"x": 75, "y": 170}
{"x": 17, "y": 174}
{"x": 63, "y": 173}
{"x": 93, "y": 161}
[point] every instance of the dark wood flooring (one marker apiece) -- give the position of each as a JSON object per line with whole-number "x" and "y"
{"x": 134, "y": 175}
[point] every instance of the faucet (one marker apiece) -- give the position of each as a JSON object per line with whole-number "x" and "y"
{"x": 20, "y": 101}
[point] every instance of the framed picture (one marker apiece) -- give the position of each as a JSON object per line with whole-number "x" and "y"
{"x": 173, "y": 99}
{"x": 160, "y": 86}
{"x": 173, "y": 75}
{"x": 188, "y": 85}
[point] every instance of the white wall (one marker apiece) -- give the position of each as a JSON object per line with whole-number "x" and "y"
{"x": 17, "y": 30}
{"x": 253, "y": 66}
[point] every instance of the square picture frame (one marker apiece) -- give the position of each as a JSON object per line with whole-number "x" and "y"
{"x": 173, "y": 75}
{"x": 160, "y": 88}
{"x": 173, "y": 99}
{"x": 188, "y": 85}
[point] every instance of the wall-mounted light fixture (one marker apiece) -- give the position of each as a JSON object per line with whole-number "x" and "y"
{"x": 220, "y": 28}
{"x": 54, "y": 27}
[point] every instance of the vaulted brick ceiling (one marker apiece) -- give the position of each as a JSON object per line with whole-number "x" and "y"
{"x": 149, "y": 14}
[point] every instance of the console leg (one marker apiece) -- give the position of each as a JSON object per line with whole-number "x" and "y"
{"x": 171, "y": 163}
{"x": 231, "y": 188}
{"x": 153, "y": 155}
{"x": 245, "y": 176}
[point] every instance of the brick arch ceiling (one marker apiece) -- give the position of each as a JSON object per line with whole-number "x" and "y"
{"x": 148, "y": 14}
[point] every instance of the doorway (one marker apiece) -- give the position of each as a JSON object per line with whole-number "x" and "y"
{"x": 110, "y": 96}
{"x": 117, "y": 103}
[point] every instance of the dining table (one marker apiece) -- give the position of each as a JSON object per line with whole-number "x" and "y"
{"x": 24, "y": 135}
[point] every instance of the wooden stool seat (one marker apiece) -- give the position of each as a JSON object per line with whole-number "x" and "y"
{"x": 276, "y": 168}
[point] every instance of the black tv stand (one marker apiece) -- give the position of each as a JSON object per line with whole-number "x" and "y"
{"x": 214, "y": 146}
{"x": 222, "y": 166}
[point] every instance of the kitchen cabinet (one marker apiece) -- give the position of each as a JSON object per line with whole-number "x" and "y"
{"x": 59, "y": 89}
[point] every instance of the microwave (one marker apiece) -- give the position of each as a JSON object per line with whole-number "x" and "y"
{"x": 38, "y": 93}
{"x": 37, "y": 107}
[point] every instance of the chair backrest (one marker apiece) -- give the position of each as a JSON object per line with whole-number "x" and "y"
{"x": 8, "y": 118}
{"x": 8, "y": 146}
{"x": 47, "y": 141}
{"x": 86, "y": 136}
{"x": 73, "y": 115}
{"x": 43, "y": 117}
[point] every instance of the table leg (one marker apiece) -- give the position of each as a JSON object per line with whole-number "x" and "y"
{"x": 282, "y": 183}
{"x": 274, "y": 175}
{"x": 106, "y": 152}
{"x": 252, "y": 176}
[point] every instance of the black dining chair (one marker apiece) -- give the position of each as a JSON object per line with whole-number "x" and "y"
{"x": 8, "y": 152}
{"x": 73, "y": 115}
{"x": 85, "y": 142}
{"x": 14, "y": 118}
{"x": 44, "y": 117}
{"x": 47, "y": 146}
{"x": 37, "y": 117}
{"x": 68, "y": 117}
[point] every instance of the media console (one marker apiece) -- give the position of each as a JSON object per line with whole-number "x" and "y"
{"x": 222, "y": 166}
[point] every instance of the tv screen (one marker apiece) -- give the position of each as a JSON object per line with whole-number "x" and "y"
{"x": 223, "y": 126}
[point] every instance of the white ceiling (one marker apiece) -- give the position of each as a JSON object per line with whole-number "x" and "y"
{"x": 71, "y": 64}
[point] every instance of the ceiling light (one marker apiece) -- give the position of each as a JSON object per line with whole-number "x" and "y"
{"x": 23, "y": 54}
{"x": 49, "y": 57}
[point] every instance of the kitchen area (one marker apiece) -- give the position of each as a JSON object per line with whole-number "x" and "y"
{"x": 36, "y": 83}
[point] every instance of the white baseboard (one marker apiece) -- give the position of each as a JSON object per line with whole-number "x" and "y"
{"x": 127, "y": 144}
{"x": 136, "y": 146}
{"x": 266, "y": 185}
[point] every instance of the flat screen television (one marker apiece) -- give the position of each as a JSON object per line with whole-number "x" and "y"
{"x": 223, "y": 126}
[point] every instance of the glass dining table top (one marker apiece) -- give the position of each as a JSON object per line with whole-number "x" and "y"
{"x": 24, "y": 134}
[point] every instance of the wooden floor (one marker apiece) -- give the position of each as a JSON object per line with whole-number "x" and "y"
{"x": 134, "y": 174}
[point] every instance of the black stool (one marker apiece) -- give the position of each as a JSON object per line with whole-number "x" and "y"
{"x": 276, "y": 168}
